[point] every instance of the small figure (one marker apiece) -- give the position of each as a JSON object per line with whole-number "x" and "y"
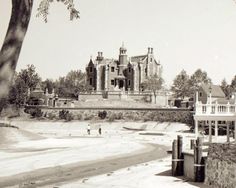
{"x": 100, "y": 130}
{"x": 88, "y": 129}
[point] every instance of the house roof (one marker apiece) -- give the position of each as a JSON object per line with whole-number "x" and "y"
{"x": 138, "y": 58}
{"x": 216, "y": 90}
{"x": 224, "y": 101}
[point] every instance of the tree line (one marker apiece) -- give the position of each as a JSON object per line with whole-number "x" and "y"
{"x": 27, "y": 79}
{"x": 69, "y": 86}
{"x": 185, "y": 86}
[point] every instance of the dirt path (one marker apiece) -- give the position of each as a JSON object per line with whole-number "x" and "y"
{"x": 76, "y": 171}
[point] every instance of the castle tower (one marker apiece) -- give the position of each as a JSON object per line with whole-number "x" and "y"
{"x": 123, "y": 56}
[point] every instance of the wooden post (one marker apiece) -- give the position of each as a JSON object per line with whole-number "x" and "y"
{"x": 196, "y": 128}
{"x": 174, "y": 157}
{"x": 180, "y": 162}
{"x": 216, "y": 129}
{"x": 192, "y": 143}
{"x": 198, "y": 161}
{"x": 210, "y": 131}
{"x": 227, "y": 131}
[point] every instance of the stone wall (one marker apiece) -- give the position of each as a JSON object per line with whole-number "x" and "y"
{"x": 221, "y": 166}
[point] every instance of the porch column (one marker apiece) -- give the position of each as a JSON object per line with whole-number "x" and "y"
{"x": 196, "y": 128}
{"x": 210, "y": 131}
{"x": 216, "y": 129}
{"x": 227, "y": 131}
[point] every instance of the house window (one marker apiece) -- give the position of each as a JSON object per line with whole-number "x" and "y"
{"x": 91, "y": 81}
{"x": 129, "y": 82}
{"x": 90, "y": 69}
{"x": 112, "y": 69}
{"x": 200, "y": 94}
{"x": 112, "y": 82}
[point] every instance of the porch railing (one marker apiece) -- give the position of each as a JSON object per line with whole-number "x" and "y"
{"x": 227, "y": 109}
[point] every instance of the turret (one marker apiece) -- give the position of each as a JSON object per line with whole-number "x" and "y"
{"x": 123, "y": 56}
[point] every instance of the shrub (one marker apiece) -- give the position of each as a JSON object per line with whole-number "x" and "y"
{"x": 35, "y": 112}
{"x": 88, "y": 116}
{"x": 102, "y": 114}
{"x": 51, "y": 115}
{"x": 69, "y": 117}
{"x": 112, "y": 117}
{"x": 78, "y": 117}
{"x": 66, "y": 115}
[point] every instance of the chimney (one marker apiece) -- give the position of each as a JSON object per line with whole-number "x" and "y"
{"x": 99, "y": 57}
{"x": 151, "y": 50}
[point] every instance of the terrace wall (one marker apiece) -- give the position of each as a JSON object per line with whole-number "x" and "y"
{"x": 221, "y": 166}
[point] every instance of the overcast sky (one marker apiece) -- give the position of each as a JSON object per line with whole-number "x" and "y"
{"x": 185, "y": 34}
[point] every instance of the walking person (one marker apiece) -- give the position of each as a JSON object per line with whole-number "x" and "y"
{"x": 100, "y": 130}
{"x": 88, "y": 129}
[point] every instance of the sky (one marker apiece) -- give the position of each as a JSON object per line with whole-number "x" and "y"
{"x": 185, "y": 34}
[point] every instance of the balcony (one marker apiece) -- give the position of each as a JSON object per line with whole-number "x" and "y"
{"x": 215, "y": 109}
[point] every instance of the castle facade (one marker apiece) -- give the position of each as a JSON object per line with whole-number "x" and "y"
{"x": 124, "y": 73}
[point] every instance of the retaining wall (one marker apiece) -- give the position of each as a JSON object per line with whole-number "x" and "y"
{"x": 221, "y": 166}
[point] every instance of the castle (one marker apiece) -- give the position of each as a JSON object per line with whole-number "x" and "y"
{"x": 123, "y": 74}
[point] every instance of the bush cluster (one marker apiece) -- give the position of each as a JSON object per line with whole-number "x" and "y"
{"x": 102, "y": 114}
{"x": 34, "y": 112}
{"x": 66, "y": 115}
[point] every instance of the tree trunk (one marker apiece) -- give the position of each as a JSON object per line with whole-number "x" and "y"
{"x": 10, "y": 51}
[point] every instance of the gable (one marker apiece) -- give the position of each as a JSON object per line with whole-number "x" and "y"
{"x": 216, "y": 90}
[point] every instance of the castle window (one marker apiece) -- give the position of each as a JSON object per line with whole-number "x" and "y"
{"x": 90, "y": 69}
{"x": 112, "y": 69}
{"x": 91, "y": 81}
{"x": 200, "y": 94}
{"x": 129, "y": 82}
{"x": 112, "y": 82}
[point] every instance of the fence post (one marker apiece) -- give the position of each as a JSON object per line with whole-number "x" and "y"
{"x": 180, "y": 162}
{"x": 198, "y": 161}
{"x": 174, "y": 157}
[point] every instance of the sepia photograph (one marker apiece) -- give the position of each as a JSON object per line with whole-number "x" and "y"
{"x": 117, "y": 93}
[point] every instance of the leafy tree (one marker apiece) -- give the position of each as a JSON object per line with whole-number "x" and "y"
{"x": 25, "y": 80}
{"x": 227, "y": 89}
{"x": 233, "y": 83}
{"x": 180, "y": 85}
{"x": 17, "y": 28}
{"x": 196, "y": 80}
{"x": 49, "y": 84}
{"x": 71, "y": 84}
{"x": 153, "y": 83}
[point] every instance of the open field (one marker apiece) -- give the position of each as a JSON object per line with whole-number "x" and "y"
{"x": 59, "y": 154}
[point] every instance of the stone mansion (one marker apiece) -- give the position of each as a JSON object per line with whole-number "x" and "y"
{"x": 104, "y": 74}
